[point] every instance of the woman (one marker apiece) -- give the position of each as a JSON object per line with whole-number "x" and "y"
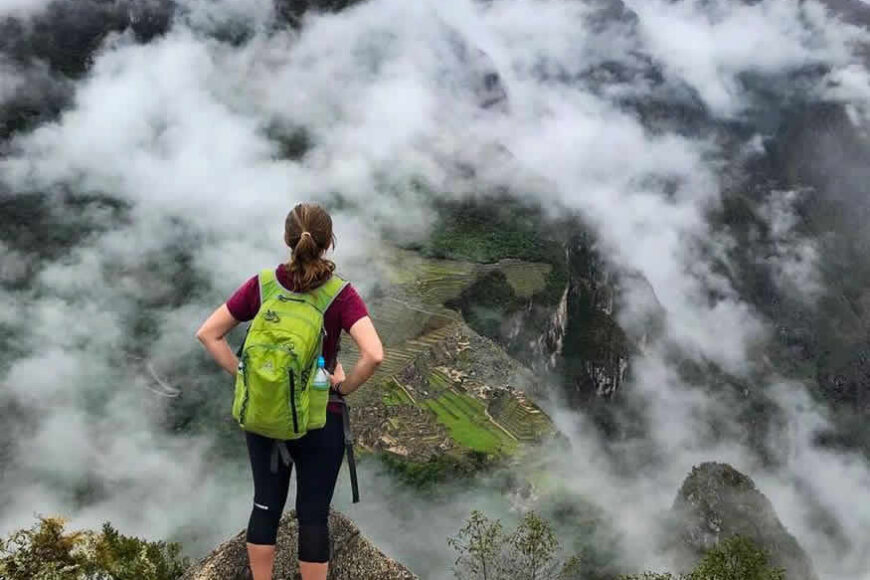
{"x": 318, "y": 454}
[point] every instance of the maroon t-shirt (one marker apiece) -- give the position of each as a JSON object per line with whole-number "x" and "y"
{"x": 342, "y": 314}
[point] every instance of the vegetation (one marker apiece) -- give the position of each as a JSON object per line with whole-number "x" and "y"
{"x": 438, "y": 468}
{"x": 523, "y": 423}
{"x": 394, "y": 395}
{"x": 736, "y": 558}
{"x": 47, "y": 552}
{"x": 485, "y": 304}
{"x": 465, "y": 417}
{"x": 496, "y": 228}
{"x": 480, "y": 544}
{"x": 530, "y": 552}
{"x": 490, "y": 231}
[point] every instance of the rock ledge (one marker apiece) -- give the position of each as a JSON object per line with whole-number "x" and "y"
{"x": 354, "y": 557}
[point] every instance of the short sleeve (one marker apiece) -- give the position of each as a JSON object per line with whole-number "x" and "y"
{"x": 351, "y": 307}
{"x": 245, "y": 302}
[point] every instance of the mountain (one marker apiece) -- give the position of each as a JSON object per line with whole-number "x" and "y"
{"x": 717, "y": 502}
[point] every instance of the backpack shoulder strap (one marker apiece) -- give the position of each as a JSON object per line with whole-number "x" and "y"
{"x": 269, "y": 285}
{"x": 325, "y": 294}
{"x": 321, "y": 297}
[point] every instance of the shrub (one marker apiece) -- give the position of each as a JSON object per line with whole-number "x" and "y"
{"x": 47, "y": 552}
{"x": 736, "y": 558}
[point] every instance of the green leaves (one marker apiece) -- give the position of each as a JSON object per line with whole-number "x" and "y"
{"x": 736, "y": 558}
{"x": 46, "y": 552}
{"x": 530, "y": 552}
{"x": 480, "y": 544}
{"x": 533, "y": 549}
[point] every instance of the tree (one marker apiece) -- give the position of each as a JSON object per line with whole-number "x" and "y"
{"x": 533, "y": 549}
{"x": 479, "y": 543}
{"x": 530, "y": 552}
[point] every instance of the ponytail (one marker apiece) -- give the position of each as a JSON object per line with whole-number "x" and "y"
{"x": 308, "y": 232}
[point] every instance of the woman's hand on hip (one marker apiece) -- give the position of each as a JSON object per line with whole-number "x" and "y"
{"x": 338, "y": 376}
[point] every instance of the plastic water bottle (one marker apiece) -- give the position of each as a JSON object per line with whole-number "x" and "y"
{"x": 321, "y": 378}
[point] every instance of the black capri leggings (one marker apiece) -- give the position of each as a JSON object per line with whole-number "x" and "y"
{"x": 317, "y": 457}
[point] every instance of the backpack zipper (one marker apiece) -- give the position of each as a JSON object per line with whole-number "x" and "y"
{"x": 293, "y": 402}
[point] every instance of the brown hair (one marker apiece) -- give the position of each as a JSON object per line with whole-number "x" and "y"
{"x": 308, "y": 233}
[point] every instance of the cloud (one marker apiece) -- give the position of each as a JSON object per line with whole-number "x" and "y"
{"x": 795, "y": 259}
{"x": 709, "y": 45}
{"x": 10, "y": 81}
{"x": 22, "y": 8}
{"x": 816, "y": 490}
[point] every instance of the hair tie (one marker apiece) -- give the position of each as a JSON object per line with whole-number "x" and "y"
{"x": 305, "y": 234}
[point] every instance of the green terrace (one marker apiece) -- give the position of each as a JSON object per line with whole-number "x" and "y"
{"x": 470, "y": 424}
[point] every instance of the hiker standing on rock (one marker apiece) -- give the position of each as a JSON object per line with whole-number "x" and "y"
{"x": 298, "y": 311}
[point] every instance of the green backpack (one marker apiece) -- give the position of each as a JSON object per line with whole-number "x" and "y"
{"x": 274, "y": 394}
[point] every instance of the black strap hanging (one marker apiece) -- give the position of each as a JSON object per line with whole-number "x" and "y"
{"x": 348, "y": 443}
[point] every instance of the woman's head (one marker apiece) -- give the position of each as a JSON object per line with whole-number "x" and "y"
{"x": 308, "y": 233}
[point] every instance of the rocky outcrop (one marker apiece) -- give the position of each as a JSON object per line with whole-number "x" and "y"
{"x": 596, "y": 349}
{"x": 353, "y": 556}
{"x": 292, "y": 11}
{"x": 717, "y": 502}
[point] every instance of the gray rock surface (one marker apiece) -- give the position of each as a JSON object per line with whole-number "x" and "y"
{"x": 354, "y": 557}
{"x": 717, "y": 502}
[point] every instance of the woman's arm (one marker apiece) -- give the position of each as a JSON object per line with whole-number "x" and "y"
{"x": 371, "y": 353}
{"x": 212, "y": 334}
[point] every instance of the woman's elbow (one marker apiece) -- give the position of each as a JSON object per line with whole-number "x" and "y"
{"x": 375, "y": 356}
